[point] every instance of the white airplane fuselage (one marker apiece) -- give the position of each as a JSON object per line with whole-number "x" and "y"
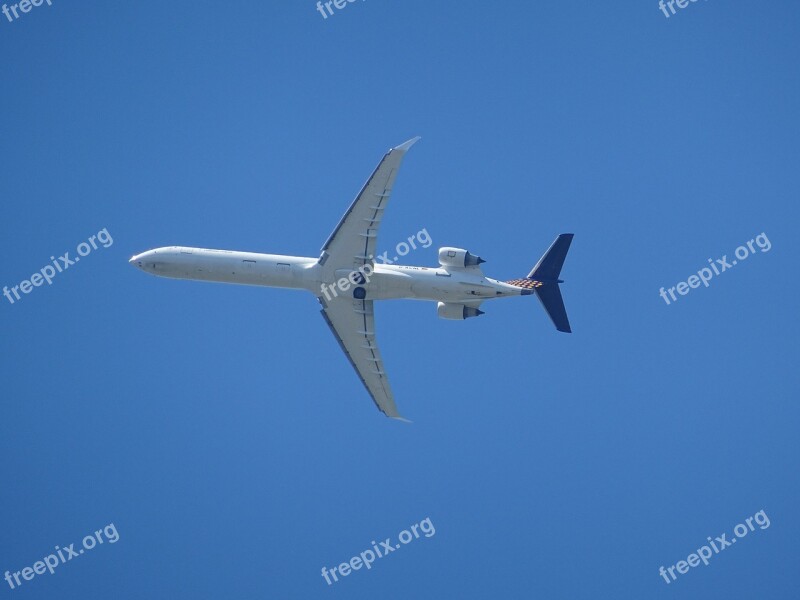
{"x": 438, "y": 284}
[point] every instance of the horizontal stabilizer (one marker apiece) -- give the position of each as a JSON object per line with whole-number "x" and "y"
{"x": 550, "y": 296}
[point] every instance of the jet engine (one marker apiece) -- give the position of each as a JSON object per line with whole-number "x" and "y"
{"x": 456, "y": 312}
{"x": 458, "y": 257}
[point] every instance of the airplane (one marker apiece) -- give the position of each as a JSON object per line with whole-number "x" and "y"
{"x": 347, "y": 280}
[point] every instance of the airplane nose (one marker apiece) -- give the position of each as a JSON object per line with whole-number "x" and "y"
{"x": 136, "y": 261}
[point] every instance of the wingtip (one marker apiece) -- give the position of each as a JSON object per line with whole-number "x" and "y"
{"x": 406, "y": 145}
{"x": 401, "y": 419}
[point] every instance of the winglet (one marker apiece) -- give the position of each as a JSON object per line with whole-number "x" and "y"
{"x": 406, "y": 145}
{"x": 403, "y": 419}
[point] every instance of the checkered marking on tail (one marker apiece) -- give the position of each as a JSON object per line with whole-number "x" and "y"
{"x": 528, "y": 284}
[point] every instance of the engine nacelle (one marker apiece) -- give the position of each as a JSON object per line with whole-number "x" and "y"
{"x": 456, "y": 312}
{"x": 458, "y": 257}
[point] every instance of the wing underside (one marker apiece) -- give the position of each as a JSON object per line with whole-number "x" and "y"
{"x": 354, "y": 240}
{"x": 352, "y": 323}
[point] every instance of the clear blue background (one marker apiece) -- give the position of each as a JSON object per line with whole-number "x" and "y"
{"x": 221, "y": 429}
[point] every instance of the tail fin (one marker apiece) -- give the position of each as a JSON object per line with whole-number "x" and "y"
{"x": 543, "y": 281}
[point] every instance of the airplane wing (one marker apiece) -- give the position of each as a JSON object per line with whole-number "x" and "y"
{"x": 353, "y": 243}
{"x": 352, "y": 323}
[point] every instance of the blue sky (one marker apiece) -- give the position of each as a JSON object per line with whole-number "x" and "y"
{"x": 221, "y": 430}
